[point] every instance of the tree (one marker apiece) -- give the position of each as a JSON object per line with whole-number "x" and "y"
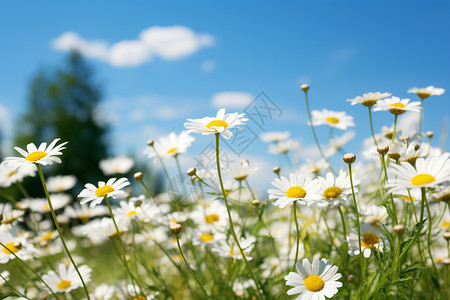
{"x": 63, "y": 103}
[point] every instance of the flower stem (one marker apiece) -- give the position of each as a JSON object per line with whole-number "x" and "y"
{"x": 13, "y": 288}
{"x": 294, "y": 208}
{"x": 430, "y": 227}
{"x": 395, "y": 127}
{"x": 231, "y": 220}
{"x": 52, "y": 211}
{"x": 371, "y": 127}
{"x": 181, "y": 175}
{"x": 119, "y": 235}
{"x": 394, "y": 209}
{"x": 165, "y": 170}
{"x": 189, "y": 268}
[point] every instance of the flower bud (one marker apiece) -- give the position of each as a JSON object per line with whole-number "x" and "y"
{"x": 430, "y": 134}
{"x": 349, "y": 158}
{"x": 305, "y": 87}
{"x": 256, "y": 202}
{"x": 446, "y": 261}
{"x": 399, "y": 229}
{"x": 176, "y": 228}
{"x": 351, "y": 278}
{"x": 447, "y": 235}
{"x": 416, "y": 147}
{"x": 383, "y": 149}
{"x": 137, "y": 203}
{"x": 192, "y": 171}
{"x": 150, "y": 143}
{"x": 276, "y": 170}
{"x": 138, "y": 176}
{"x": 372, "y": 220}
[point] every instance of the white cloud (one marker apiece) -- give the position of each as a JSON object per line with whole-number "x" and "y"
{"x": 232, "y": 99}
{"x": 342, "y": 55}
{"x": 5, "y": 121}
{"x": 168, "y": 43}
{"x": 409, "y": 122}
{"x": 208, "y": 66}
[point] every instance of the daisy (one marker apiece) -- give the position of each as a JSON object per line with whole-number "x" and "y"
{"x": 334, "y": 190}
{"x": 116, "y": 165}
{"x": 313, "y": 167}
{"x": 224, "y": 249}
{"x": 371, "y": 238}
{"x": 10, "y": 174}
{"x": 43, "y": 155}
{"x": 171, "y": 145}
{"x": 40, "y": 205}
{"x": 204, "y": 238}
{"x": 84, "y": 212}
{"x": 299, "y": 187}
{"x": 314, "y": 281}
{"x": 368, "y": 99}
{"x": 109, "y": 189}
{"x": 67, "y": 278}
{"x": 57, "y": 184}
{"x": 336, "y": 144}
{"x": 283, "y": 147}
{"x": 241, "y": 171}
{"x": 220, "y": 124}
{"x": 335, "y": 119}
{"x": 397, "y": 106}
{"x": 429, "y": 172}
{"x": 14, "y": 243}
{"x": 424, "y": 93}
{"x": 411, "y": 154}
{"x": 274, "y": 136}
{"x": 10, "y": 214}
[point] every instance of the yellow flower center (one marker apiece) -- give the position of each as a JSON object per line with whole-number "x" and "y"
{"x": 398, "y": 105}
{"x": 369, "y": 240}
{"x": 63, "y": 284}
{"x": 423, "y": 95}
{"x": 207, "y": 237}
{"x": 332, "y": 120}
{"x": 217, "y": 123}
{"x": 296, "y": 192}
{"x": 138, "y": 297}
{"x": 210, "y": 219}
{"x": 132, "y": 213}
{"x": 12, "y": 173}
{"x": 35, "y": 156}
{"x": 47, "y": 237}
{"x": 103, "y": 191}
{"x": 421, "y": 179}
{"x": 407, "y": 198}
{"x": 172, "y": 150}
{"x": 445, "y": 224}
{"x": 314, "y": 283}
{"x": 332, "y": 192}
{"x": 11, "y": 249}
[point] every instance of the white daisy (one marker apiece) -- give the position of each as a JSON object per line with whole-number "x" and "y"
{"x": 220, "y": 124}
{"x": 336, "y": 143}
{"x": 371, "y": 239}
{"x": 411, "y": 154}
{"x": 299, "y": 187}
{"x": 274, "y": 136}
{"x": 67, "y": 278}
{"x": 283, "y": 147}
{"x": 397, "y": 106}
{"x": 109, "y": 189}
{"x": 314, "y": 281}
{"x": 116, "y": 165}
{"x": 44, "y": 155}
{"x": 334, "y": 190}
{"x": 83, "y": 212}
{"x": 204, "y": 238}
{"x": 429, "y": 172}
{"x": 9, "y": 174}
{"x": 336, "y": 119}
{"x": 231, "y": 249}
{"x": 424, "y": 93}
{"x": 14, "y": 243}
{"x": 368, "y": 99}
{"x": 171, "y": 145}
{"x": 40, "y": 205}
{"x": 313, "y": 167}
{"x": 9, "y": 213}
{"x": 57, "y": 184}
{"x": 241, "y": 170}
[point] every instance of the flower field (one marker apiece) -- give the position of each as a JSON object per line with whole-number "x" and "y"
{"x": 378, "y": 228}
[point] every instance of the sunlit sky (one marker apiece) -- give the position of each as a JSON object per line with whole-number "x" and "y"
{"x": 341, "y": 48}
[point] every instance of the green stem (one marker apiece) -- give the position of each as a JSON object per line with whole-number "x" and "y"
{"x": 395, "y": 127}
{"x": 164, "y": 169}
{"x": 231, "y": 220}
{"x": 314, "y": 132}
{"x": 182, "y": 177}
{"x": 189, "y": 268}
{"x": 29, "y": 268}
{"x": 294, "y": 208}
{"x": 119, "y": 236}
{"x": 13, "y": 288}
{"x": 394, "y": 209}
{"x": 371, "y": 127}
{"x": 52, "y": 211}
{"x": 430, "y": 227}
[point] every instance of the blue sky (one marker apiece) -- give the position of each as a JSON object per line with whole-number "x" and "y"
{"x": 341, "y": 48}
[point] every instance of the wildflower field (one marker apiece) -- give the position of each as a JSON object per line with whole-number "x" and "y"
{"x": 331, "y": 228}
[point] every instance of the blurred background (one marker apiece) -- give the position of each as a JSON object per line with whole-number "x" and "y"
{"x": 109, "y": 75}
